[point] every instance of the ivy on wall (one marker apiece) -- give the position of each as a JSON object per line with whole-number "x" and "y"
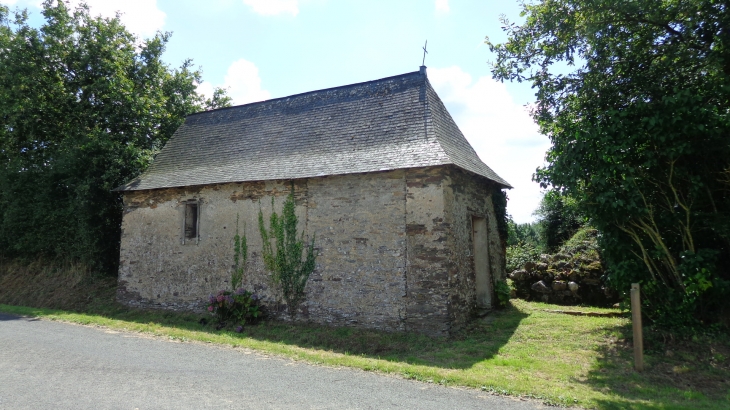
{"x": 499, "y": 201}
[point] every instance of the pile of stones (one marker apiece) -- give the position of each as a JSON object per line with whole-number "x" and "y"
{"x": 566, "y": 278}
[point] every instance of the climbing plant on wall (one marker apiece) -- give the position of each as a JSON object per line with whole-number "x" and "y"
{"x": 240, "y": 256}
{"x": 284, "y": 252}
{"x": 499, "y": 200}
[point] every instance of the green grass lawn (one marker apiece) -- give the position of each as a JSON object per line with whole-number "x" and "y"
{"x": 521, "y": 351}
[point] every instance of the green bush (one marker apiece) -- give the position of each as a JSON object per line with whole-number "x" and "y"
{"x": 503, "y": 290}
{"x": 521, "y": 253}
{"x": 234, "y": 308}
{"x": 684, "y": 311}
{"x": 704, "y": 296}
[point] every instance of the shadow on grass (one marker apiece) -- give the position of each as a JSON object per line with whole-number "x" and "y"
{"x": 479, "y": 341}
{"x": 74, "y": 288}
{"x": 684, "y": 374}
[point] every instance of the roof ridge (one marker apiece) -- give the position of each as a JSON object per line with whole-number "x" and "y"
{"x": 271, "y": 100}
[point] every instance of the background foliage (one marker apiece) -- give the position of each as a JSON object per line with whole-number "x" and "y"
{"x": 635, "y": 97}
{"x": 84, "y": 107}
{"x": 558, "y": 219}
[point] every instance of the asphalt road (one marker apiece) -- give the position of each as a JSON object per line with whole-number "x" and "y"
{"x": 50, "y": 365}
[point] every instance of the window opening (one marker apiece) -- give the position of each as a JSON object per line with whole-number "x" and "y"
{"x": 191, "y": 220}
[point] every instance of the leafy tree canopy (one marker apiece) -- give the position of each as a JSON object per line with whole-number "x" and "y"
{"x": 558, "y": 219}
{"x": 523, "y": 233}
{"x": 84, "y": 107}
{"x": 635, "y": 97}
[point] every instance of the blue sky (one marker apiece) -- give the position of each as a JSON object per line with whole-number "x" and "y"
{"x": 262, "y": 49}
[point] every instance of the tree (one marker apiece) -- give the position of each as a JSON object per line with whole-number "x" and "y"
{"x": 558, "y": 219}
{"x": 84, "y": 107}
{"x": 523, "y": 233}
{"x": 635, "y": 97}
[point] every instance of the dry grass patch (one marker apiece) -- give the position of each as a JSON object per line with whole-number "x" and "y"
{"x": 49, "y": 284}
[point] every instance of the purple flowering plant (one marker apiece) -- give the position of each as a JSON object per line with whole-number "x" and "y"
{"x": 234, "y": 308}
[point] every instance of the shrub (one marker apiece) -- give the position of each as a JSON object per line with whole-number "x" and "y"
{"x": 518, "y": 254}
{"x": 289, "y": 259}
{"x": 704, "y": 297}
{"x": 503, "y": 290}
{"x": 234, "y": 308}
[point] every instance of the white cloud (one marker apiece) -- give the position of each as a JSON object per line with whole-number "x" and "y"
{"x": 243, "y": 83}
{"x": 502, "y": 133}
{"x": 442, "y": 6}
{"x": 274, "y": 7}
{"x": 141, "y": 17}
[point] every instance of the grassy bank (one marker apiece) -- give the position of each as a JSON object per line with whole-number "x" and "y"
{"x": 521, "y": 351}
{"x": 50, "y": 284}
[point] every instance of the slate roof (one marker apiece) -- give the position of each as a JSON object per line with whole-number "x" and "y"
{"x": 391, "y": 123}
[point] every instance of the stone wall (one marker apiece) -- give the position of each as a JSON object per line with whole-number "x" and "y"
{"x": 574, "y": 275}
{"x": 428, "y": 254}
{"x": 359, "y": 222}
{"x": 359, "y": 225}
{"x": 466, "y": 196}
{"x": 393, "y": 247}
{"x": 157, "y": 270}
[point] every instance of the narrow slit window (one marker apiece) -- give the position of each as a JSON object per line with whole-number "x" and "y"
{"x": 191, "y": 220}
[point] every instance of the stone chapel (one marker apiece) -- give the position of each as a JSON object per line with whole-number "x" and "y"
{"x": 400, "y": 206}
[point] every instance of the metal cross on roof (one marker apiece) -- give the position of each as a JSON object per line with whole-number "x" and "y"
{"x": 424, "y": 53}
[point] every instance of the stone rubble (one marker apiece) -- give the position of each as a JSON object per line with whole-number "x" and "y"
{"x": 570, "y": 277}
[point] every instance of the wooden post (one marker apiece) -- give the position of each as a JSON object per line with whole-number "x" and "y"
{"x": 636, "y": 321}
